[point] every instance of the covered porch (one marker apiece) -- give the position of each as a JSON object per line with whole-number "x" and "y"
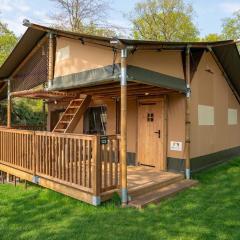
{"x": 86, "y": 167}
{"x": 75, "y": 165}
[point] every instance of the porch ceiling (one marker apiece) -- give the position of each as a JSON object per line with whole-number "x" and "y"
{"x": 112, "y": 90}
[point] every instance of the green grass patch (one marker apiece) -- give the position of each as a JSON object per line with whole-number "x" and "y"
{"x": 209, "y": 211}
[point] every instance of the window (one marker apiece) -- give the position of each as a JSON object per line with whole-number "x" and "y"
{"x": 205, "y": 115}
{"x": 95, "y": 120}
{"x": 150, "y": 117}
{"x": 232, "y": 116}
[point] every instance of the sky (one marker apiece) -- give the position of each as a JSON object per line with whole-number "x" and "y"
{"x": 209, "y": 13}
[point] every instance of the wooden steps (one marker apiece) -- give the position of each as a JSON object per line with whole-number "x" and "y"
{"x": 152, "y": 186}
{"x": 161, "y": 193}
{"x": 72, "y": 114}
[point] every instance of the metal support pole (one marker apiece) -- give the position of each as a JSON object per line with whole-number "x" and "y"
{"x": 187, "y": 117}
{"x": 123, "y": 146}
{"x": 9, "y": 105}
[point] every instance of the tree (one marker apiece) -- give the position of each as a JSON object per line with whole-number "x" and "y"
{"x": 85, "y": 16}
{"x": 164, "y": 20}
{"x": 231, "y": 26}
{"x": 7, "y": 42}
{"x": 213, "y": 37}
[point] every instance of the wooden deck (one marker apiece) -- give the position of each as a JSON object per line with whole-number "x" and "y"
{"x": 141, "y": 176}
{"x": 147, "y": 185}
{"x": 75, "y": 165}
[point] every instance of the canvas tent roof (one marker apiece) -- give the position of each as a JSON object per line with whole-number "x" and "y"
{"x": 226, "y": 51}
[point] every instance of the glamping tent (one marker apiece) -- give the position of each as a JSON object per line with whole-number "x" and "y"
{"x": 164, "y": 106}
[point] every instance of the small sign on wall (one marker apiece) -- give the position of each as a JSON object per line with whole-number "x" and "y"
{"x": 176, "y": 146}
{"x": 104, "y": 140}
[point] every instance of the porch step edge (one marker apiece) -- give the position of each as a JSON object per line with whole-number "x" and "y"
{"x": 147, "y": 188}
{"x": 162, "y": 193}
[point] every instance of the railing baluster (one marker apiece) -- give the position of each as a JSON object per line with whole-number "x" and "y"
{"x": 84, "y": 164}
{"x": 80, "y": 159}
{"x": 75, "y": 160}
{"x": 66, "y": 158}
{"x": 71, "y": 161}
{"x": 110, "y": 156}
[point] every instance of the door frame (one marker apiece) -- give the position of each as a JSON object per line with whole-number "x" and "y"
{"x": 164, "y": 113}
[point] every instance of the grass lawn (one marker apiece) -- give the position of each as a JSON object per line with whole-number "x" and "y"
{"x": 209, "y": 211}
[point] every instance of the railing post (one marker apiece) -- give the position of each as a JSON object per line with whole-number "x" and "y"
{"x": 35, "y": 177}
{"x": 9, "y": 106}
{"x": 34, "y": 154}
{"x": 96, "y": 176}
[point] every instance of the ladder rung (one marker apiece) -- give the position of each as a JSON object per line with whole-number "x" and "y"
{"x": 69, "y": 114}
{"x": 59, "y": 130}
{"x": 73, "y": 107}
{"x": 64, "y": 122}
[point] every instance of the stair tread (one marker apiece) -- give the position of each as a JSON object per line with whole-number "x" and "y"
{"x": 77, "y": 100}
{"x": 73, "y": 107}
{"x": 161, "y": 193}
{"x": 150, "y": 186}
{"x": 65, "y": 121}
{"x": 157, "y": 184}
{"x": 77, "y": 107}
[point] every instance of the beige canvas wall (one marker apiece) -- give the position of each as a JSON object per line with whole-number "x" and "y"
{"x": 176, "y": 130}
{"x": 209, "y": 88}
{"x": 166, "y": 62}
{"x": 176, "y": 124}
{"x": 72, "y": 57}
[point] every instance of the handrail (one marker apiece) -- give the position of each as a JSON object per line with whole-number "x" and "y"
{"x": 76, "y": 160}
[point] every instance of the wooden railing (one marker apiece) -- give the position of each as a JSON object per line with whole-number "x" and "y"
{"x": 110, "y": 164}
{"x": 17, "y": 148}
{"x": 65, "y": 157}
{"x": 76, "y": 160}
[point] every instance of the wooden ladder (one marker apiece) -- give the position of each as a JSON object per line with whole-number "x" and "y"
{"x": 70, "y": 118}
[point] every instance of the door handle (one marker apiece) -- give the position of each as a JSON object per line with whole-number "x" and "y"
{"x": 159, "y": 133}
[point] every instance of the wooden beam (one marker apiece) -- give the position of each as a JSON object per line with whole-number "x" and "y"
{"x": 43, "y": 94}
{"x": 96, "y": 177}
{"x": 44, "y": 113}
{"x": 48, "y": 183}
{"x": 132, "y": 90}
{"x": 101, "y": 87}
{"x": 4, "y": 85}
{"x": 9, "y": 106}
